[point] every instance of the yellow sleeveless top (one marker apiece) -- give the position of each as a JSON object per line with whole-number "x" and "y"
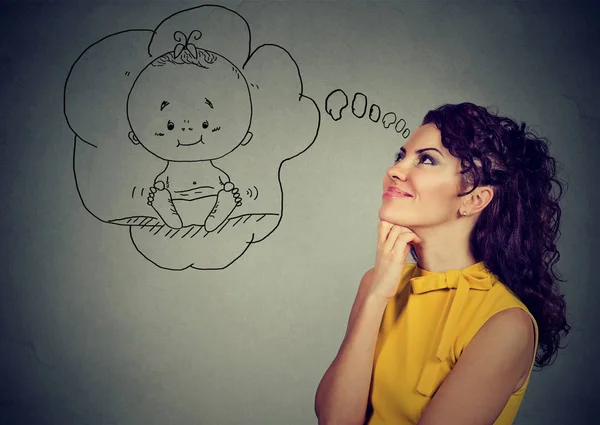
{"x": 424, "y": 330}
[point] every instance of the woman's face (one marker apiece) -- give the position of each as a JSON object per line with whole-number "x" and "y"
{"x": 425, "y": 170}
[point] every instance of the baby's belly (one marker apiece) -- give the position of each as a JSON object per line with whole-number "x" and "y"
{"x": 195, "y": 212}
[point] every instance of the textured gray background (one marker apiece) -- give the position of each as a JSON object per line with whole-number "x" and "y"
{"x": 91, "y": 333}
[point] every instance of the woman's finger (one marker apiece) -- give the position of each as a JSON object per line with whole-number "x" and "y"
{"x": 383, "y": 232}
{"x": 393, "y": 237}
{"x": 388, "y": 242}
{"x": 402, "y": 242}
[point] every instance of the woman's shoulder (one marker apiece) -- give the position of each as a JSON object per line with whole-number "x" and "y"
{"x": 500, "y": 295}
{"x": 487, "y": 304}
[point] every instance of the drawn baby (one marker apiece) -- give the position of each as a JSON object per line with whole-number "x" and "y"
{"x": 190, "y": 107}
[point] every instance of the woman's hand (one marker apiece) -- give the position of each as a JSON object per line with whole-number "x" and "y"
{"x": 393, "y": 246}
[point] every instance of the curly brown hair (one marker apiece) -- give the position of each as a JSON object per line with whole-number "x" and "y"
{"x": 515, "y": 235}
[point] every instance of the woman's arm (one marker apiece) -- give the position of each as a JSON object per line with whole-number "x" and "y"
{"x": 477, "y": 389}
{"x": 343, "y": 392}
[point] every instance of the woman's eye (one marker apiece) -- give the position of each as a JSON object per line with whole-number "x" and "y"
{"x": 170, "y": 125}
{"x": 425, "y": 157}
{"x": 422, "y": 159}
{"x": 205, "y": 124}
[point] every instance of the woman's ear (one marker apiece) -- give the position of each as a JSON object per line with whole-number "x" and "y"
{"x": 479, "y": 199}
{"x": 133, "y": 138}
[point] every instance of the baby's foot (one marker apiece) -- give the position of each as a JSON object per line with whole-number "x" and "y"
{"x": 159, "y": 198}
{"x": 227, "y": 199}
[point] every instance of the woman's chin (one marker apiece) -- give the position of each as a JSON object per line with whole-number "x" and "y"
{"x": 391, "y": 218}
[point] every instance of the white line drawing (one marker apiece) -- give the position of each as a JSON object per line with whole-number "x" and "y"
{"x": 178, "y": 135}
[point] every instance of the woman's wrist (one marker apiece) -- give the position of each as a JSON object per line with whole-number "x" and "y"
{"x": 376, "y": 301}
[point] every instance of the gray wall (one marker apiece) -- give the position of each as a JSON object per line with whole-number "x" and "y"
{"x": 91, "y": 332}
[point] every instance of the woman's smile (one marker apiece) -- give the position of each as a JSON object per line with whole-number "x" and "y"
{"x": 394, "y": 192}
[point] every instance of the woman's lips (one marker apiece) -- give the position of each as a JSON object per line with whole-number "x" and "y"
{"x": 395, "y": 194}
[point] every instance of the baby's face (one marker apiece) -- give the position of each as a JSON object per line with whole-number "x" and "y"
{"x": 188, "y": 113}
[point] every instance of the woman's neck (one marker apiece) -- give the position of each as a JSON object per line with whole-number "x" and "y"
{"x": 439, "y": 252}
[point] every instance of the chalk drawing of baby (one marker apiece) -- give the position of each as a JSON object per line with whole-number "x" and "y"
{"x": 190, "y": 107}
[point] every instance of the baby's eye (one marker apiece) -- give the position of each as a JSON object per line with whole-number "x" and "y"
{"x": 170, "y": 125}
{"x": 205, "y": 124}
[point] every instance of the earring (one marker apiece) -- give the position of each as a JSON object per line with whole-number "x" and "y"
{"x": 464, "y": 213}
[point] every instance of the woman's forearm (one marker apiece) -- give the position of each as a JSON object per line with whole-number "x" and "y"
{"x": 343, "y": 392}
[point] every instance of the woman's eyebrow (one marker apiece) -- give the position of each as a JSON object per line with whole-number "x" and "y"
{"x": 422, "y": 150}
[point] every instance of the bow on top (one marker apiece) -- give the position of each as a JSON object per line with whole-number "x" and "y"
{"x": 186, "y": 43}
{"x": 475, "y": 277}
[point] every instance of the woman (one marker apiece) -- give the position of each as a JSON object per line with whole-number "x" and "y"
{"x": 452, "y": 339}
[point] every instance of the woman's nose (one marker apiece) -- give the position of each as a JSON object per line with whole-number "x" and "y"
{"x": 397, "y": 173}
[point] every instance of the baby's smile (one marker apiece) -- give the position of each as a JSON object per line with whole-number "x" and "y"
{"x": 179, "y": 143}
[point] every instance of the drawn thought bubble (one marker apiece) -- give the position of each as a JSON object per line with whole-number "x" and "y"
{"x": 374, "y": 113}
{"x": 115, "y": 172}
{"x": 359, "y": 105}
{"x": 388, "y": 119}
{"x": 400, "y": 125}
{"x": 335, "y": 102}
